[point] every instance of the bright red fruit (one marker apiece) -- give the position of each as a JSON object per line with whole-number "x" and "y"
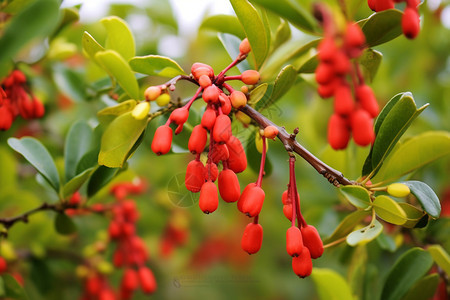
{"x": 302, "y": 264}
{"x": 197, "y": 140}
{"x": 343, "y": 100}
{"x": 252, "y": 201}
{"x": 3, "y": 265}
{"x": 199, "y": 69}
{"x": 338, "y": 132}
{"x": 195, "y": 176}
{"x": 220, "y": 153}
{"x": 411, "y": 23}
{"x": 162, "y": 140}
{"x": 209, "y": 118}
{"x": 366, "y": 98}
{"x": 130, "y": 280}
{"x": 211, "y": 94}
{"x": 312, "y": 241}
{"x": 252, "y": 238}
{"x": 250, "y": 77}
{"x": 237, "y": 160}
{"x": 179, "y": 116}
{"x": 209, "y": 199}
{"x": 294, "y": 241}
{"x": 229, "y": 188}
{"x": 147, "y": 280}
{"x": 362, "y": 127}
{"x": 222, "y": 129}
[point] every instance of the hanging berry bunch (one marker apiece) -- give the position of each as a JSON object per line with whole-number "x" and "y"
{"x": 339, "y": 76}
{"x": 410, "y": 19}
{"x": 17, "y": 99}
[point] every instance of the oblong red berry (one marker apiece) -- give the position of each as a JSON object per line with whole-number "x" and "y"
{"x": 3, "y": 265}
{"x": 327, "y": 49}
{"x": 312, "y": 241}
{"x": 197, "y": 140}
{"x": 39, "y": 108}
{"x": 338, "y": 132}
{"x": 209, "y": 199}
{"x": 250, "y": 77}
{"x": 229, "y": 187}
{"x": 362, "y": 127}
{"x": 212, "y": 171}
{"x": 222, "y": 129}
{"x": 147, "y": 280}
{"x": 354, "y": 40}
{"x": 343, "y": 100}
{"x": 162, "y": 140}
{"x": 225, "y": 104}
{"x": 366, "y": 98}
{"x": 211, "y": 94}
{"x": 324, "y": 73}
{"x": 243, "y": 196}
{"x": 253, "y": 201}
{"x": 195, "y": 176}
{"x": 199, "y": 69}
{"x": 381, "y": 5}
{"x": 237, "y": 160}
{"x": 204, "y": 81}
{"x": 219, "y": 153}
{"x": 410, "y": 23}
{"x": 302, "y": 264}
{"x": 6, "y": 117}
{"x": 287, "y": 211}
{"x": 244, "y": 46}
{"x": 238, "y": 99}
{"x": 130, "y": 280}
{"x": 341, "y": 63}
{"x": 179, "y": 116}
{"x": 208, "y": 118}
{"x": 294, "y": 241}
{"x": 252, "y": 238}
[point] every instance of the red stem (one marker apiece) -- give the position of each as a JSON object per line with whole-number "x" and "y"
{"x": 235, "y": 77}
{"x": 291, "y": 192}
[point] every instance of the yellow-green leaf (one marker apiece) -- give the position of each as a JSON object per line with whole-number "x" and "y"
{"x": 119, "y": 37}
{"x": 257, "y": 94}
{"x": 365, "y": 235}
{"x": 356, "y": 195}
{"x": 413, "y": 215}
{"x": 331, "y": 285}
{"x": 389, "y": 210}
{"x": 441, "y": 257}
{"x": 90, "y": 45}
{"x": 156, "y": 65}
{"x": 347, "y": 225}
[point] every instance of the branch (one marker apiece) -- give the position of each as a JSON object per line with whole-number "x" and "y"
{"x": 335, "y": 177}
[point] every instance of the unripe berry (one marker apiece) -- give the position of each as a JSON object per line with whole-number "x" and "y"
{"x": 208, "y": 118}
{"x": 250, "y": 77}
{"x": 209, "y": 199}
{"x": 163, "y": 100}
{"x": 197, "y": 140}
{"x": 270, "y": 132}
{"x": 229, "y": 188}
{"x": 311, "y": 240}
{"x": 243, "y": 118}
{"x": 225, "y": 104}
{"x": 238, "y": 99}
{"x": 237, "y": 160}
{"x": 195, "y": 176}
{"x": 204, "y": 81}
{"x": 244, "y": 47}
{"x": 302, "y": 264}
{"x": 152, "y": 93}
{"x": 343, "y": 100}
{"x": 141, "y": 110}
{"x": 219, "y": 153}
{"x": 244, "y": 89}
{"x": 222, "y": 129}
{"x": 147, "y": 280}
{"x": 130, "y": 280}
{"x": 294, "y": 241}
{"x": 411, "y": 23}
{"x": 253, "y": 201}
{"x": 211, "y": 94}
{"x": 338, "y": 132}
{"x": 252, "y": 238}
{"x": 366, "y": 98}
{"x": 324, "y": 73}
{"x": 259, "y": 142}
{"x": 362, "y": 127}
{"x": 162, "y": 140}
{"x": 199, "y": 69}
{"x": 399, "y": 190}
{"x": 179, "y": 116}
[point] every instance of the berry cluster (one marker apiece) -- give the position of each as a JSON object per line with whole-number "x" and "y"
{"x": 175, "y": 234}
{"x": 410, "y": 19}
{"x": 17, "y": 99}
{"x": 338, "y": 75}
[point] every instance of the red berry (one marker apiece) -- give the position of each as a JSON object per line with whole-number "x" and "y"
{"x": 294, "y": 241}
{"x": 179, "y": 116}
{"x": 324, "y": 73}
{"x": 219, "y": 153}
{"x": 237, "y": 160}
{"x": 372, "y": 4}
{"x": 327, "y": 49}
{"x": 107, "y": 294}
{"x": 270, "y": 132}
{"x": 3, "y": 265}
{"x": 250, "y": 77}
{"x": 199, "y": 69}
{"x": 152, "y": 92}
{"x": 338, "y": 132}
{"x": 244, "y": 194}
{"x": 211, "y": 172}
{"x": 130, "y": 280}
{"x": 209, "y": 199}
{"x": 204, "y": 81}
{"x": 381, "y": 5}
{"x": 162, "y": 140}
{"x": 229, "y": 188}
{"x": 341, "y": 63}
{"x": 222, "y": 129}
{"x": 312, "y": 241}
{"x": 354, "y": 39}
{"x": 93, "y": 285}
{"x": 195, "y": 176}
{"x": 211, "y": 94}
{"x": 343, "y": 100}
{"x": 197, "y": 140}
{"x": 114, "y": 230}
{"x": 225, "y": 103}
{"x": 209, "y": 118}
{"x": 253, "y": 201}
{"x": 411, "y": 23}
{"x": 328, "y": 90}
{"x": 287, "y": 211}
{"x": 26, "y": 106}
{"x": 302, "y": 264}
{"x": 147, "y": 280}
{"x": 362, "y": 127}
{"x": 39, "y": 108}
{"x": 244, "y": 47}
{"x": 6, "y": 117}
{"x": 252, "y": 238}
{"x": 366, "y": 98}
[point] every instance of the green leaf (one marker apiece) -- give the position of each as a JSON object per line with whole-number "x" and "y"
{"x": 285, "y": 80}
{"x": 37, "y": 19}
{"x": 309, "y": 66}
{"x": 70, "y": 82}
{"x": 224, "y": 23}
{"x": 291, "y": 11}
{"x": 118, "y": 140}
{"x": 331, "y": 285}
{"x": 386, "y": 242}
{"x": 413, "y": 154}
{"x": 370, "y": 61}
{"x": 118, "y": 68}
{"x": 69, "y": 15}
{"x": 413, "y": 215}
{"x": 77, "y": 144}
{"x": 108, "y": 114}
{"x": 407, "y": 270}
{"x": 231, "y": 45}
{"x": 257, "y": 94}
{"x": 38, "y": 156}
{"x": 101, "y": 177}
{"x": 389, "y": 210}
{"x": 12, "y": 288}
{"x": 8, "y": 170}
{"x": 282, "y": 35}
{"x": 365, "y": 235}
{"x": 156, "y": 65}
{"x": 64, "y": 224}
{"x": 254, "y": 29}
{"x": 356, "y": 195}
{"x": 441, "y": 257}
{"x": 426, "y": 197}
{"x": 76, "y": 182}
{"x": 424, "y": 288}
{"x": 390, "y": 125}
{"x": 383, "y": 26}
{"x": 90, "y": 45}
{"x": 347, "y": 225}
{"x": 119, "y": 37}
